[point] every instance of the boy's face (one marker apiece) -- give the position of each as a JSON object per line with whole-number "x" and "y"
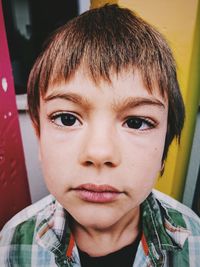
{"x": 101, "y": 146}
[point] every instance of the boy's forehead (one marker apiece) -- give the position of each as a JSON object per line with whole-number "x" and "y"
{"x": 127, "y": 80}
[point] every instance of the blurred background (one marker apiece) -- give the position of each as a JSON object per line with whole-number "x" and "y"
{"x": 24, "y": 26}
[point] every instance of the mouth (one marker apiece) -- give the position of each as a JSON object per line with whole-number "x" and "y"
{"x": 97, "y": 193}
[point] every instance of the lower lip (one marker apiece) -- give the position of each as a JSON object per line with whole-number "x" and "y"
{"x": 97, "y": 197}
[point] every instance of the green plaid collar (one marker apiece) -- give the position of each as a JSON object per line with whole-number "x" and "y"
{"x": 53, "y": 233}
{"x": 163, "y": 229}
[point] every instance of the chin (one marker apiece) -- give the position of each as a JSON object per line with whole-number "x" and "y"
{"x": 99, "y": 224}
{"x": 95, "y": 219}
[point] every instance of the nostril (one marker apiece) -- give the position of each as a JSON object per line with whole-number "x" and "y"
{"x": 99, "y": 155}
{"x": 88, "y": 163}
{"x": 109, "y": 164}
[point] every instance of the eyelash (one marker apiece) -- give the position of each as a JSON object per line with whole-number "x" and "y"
{"x": 69, "y": 117}
{"x": 137, "y": 122}
{"x": 133, "y": 122}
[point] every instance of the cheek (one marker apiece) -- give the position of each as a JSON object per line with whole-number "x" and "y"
{"x": 53, "y": 165}
{"x": 145, "y": 156}
{"x": 144, "y": 167}
{"x": 153, "y": 162}
{"x": 143, "y": 177}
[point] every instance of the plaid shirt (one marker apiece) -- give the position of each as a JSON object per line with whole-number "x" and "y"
{"x": 39, "y": 236}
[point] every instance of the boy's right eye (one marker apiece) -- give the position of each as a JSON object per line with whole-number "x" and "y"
{"x": 64, "y": 119}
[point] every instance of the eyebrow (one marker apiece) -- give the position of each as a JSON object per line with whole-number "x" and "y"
{"x": 118, "y": 105}
{"x": 133, "y": 102}
{"x": 72, "y": 97}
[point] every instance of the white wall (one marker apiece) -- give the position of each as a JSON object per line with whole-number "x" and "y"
{"x": 83, "y": 5}
{"x": 35, "y": 177}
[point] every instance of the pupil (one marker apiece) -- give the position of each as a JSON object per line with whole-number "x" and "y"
{"x": 68, "y": 119}
{"x": 134, "y": 123}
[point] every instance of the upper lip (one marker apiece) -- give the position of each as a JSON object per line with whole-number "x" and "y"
{"x": 97, "y": 188}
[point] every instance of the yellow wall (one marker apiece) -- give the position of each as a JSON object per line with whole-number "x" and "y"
{"x": 98, "y": 3}
{"x": 179, "y": 21}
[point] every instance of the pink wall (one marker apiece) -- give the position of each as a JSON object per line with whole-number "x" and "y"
{"x": 14, "y": 191}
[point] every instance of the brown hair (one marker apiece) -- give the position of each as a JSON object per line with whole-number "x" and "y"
{"x": 108, "y": 39}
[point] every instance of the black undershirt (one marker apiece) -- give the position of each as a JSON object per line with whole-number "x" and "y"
{"x": 121, "y": 258}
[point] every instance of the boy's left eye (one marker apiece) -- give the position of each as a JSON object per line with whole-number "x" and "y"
{"x": 138, "y": 123}
{"x": 65, "y": 119}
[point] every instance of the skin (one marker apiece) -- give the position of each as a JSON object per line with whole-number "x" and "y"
{"x": 115, "y": 138}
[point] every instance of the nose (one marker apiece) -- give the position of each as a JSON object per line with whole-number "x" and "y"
{"x": 100, "y": 148}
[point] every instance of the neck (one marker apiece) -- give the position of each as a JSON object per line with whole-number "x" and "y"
{"x": 108, "y": 240}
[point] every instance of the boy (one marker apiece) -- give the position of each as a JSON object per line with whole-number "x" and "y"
{"x": 105, "y": 102}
